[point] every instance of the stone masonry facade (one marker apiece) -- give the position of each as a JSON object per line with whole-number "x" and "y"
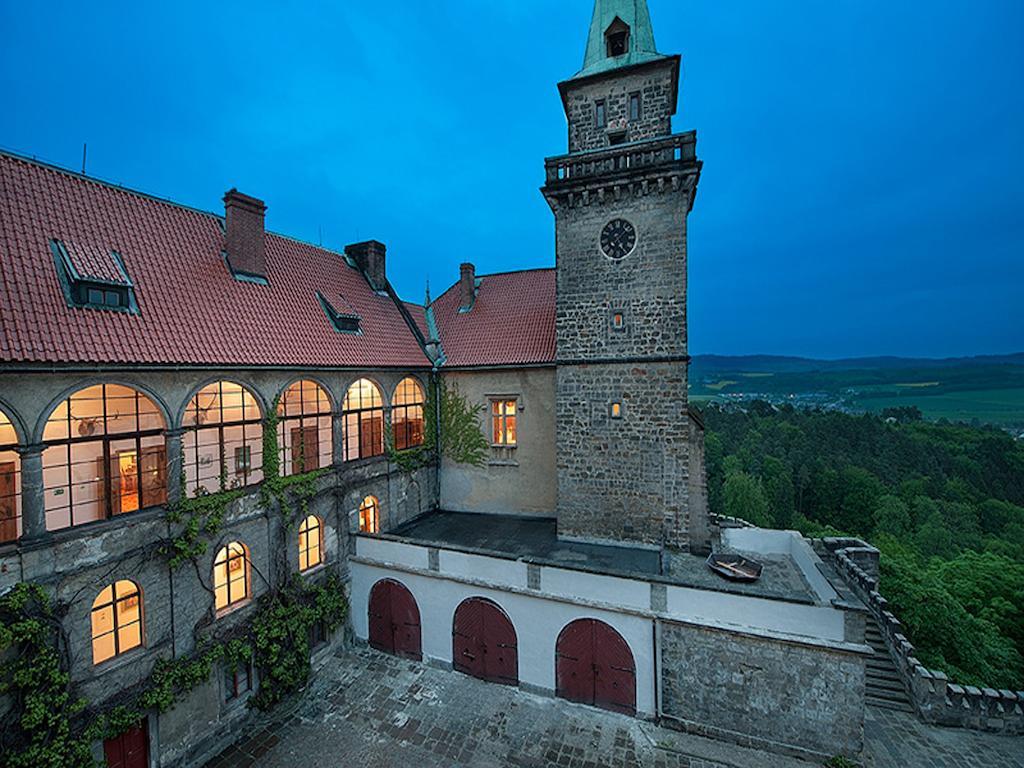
{"x": 622, "y": 422}
{"x": 178, "y": 605}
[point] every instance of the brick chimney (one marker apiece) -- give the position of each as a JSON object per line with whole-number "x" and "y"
{"x": 467, "y": 287}
{"x": 244, "y": 241}
{"x": 371, "y": 258}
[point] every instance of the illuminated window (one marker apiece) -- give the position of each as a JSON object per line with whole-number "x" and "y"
{"x": 503, "y": 423}
{"x": 618, "y": 321}
{"x": 616, "y": 410}
{"x": 222, "y": 439}
{"x": 363, "y": 413}
{"x": 369, "y": 515}
{"x": 106, "y": 455}
{"x": 10, "y": 482}
{"x": 116, "y": 621}
{"x": 311, "y": 540}
{"x": 231, "y": 576}
{"x": 407, "y": 414}
{"x": 304, "y": 434}
{"x": 237, "y": 681}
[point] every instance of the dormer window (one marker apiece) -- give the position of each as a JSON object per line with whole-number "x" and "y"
{"x": 93, "y": 278}
{"x": 617, "y": 38}
{"x": 347, "y": 321}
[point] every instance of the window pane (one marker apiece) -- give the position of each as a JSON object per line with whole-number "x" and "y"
{"x": 102, "y": 648}
{"x": 129, "y": 637}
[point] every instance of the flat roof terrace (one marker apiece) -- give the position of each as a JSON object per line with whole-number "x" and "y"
{"x": 537, "y": 539}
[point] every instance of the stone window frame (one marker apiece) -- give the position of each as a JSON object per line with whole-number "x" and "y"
{"x": 10, "y": 522}
{"x": 246, "y": 577}
{"x": 407, "y": 413}
{"x": 307, "y": 531}
{"x": 616, "y": 410}
{"x": 601, "y": 113}
{"x": 99, "y": 440}
{"x": 356, "y": 413}
{"x": 371, "y": 506}
{"x": 636, "y": 98}
{"x": 246, "y": 469}
{"x": 115, "y": 603}
{"x": 294, "y": 413}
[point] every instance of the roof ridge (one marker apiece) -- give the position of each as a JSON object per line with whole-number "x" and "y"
{"x": 99, "y": 181}
{"x": 493, "y": 274}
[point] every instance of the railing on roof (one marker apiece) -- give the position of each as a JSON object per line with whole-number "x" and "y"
{"x": 678, "y": 150}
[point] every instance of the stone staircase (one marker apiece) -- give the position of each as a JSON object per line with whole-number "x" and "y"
{"x": 884, "y": 685}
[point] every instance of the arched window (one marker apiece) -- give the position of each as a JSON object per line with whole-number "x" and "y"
{"x": 311, "y": 543}
{"x": 116, "y": 621}
{"x": 223, "y": 439}
{"x": 106, "y": 455}
{"x": 304, "y": 432}
{"x": 407, "y": 414}
{"x": 369, "y": 515}
{"x": 231, "y": 576}
{"x": 363, "y": 411}
{"x": 10, "y": 482}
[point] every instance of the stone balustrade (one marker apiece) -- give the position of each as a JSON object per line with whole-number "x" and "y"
{"x": 934, "y": 697}
{"x": 679, "y": 150}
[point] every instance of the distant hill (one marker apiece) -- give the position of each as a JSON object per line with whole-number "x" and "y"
{"x": 986, "y": 389}
{"x": 783, "y": 364}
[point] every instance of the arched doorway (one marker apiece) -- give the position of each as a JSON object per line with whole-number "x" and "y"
{"x": 394, "y": 620}
{"x": 593, "y": 665}
{"x": 484, "y": 642}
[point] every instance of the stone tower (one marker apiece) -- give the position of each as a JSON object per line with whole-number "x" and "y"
{"x": 621, "y": 199}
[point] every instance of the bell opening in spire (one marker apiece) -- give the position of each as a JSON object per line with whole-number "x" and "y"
{"x": 617, "y": 38}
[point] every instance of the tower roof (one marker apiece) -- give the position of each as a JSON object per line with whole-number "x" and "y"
{"x": 634, "y": 14}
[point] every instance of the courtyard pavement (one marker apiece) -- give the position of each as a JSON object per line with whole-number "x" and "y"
{"x": 370, "y": 710}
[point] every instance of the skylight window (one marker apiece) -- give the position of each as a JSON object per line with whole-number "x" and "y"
{"x": 93, "y": 278}
{"x": 343, "y": 322}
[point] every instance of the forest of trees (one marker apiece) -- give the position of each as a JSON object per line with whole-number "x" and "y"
{"x": 943, "y": 502}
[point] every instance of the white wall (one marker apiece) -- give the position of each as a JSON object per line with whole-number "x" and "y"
{"x": 537, "y": 620}
{"x": 791, "y": 543}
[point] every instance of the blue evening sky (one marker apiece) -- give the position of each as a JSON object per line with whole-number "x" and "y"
{"x": 862, "y": 186}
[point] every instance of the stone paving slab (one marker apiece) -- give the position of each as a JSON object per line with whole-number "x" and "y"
{"x": 370, "y": 710}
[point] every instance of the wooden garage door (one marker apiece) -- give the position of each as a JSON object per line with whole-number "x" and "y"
{"x": 484, "y": 642}
{"x": 129, "y": 750}
{"x": 394, "y": 620}
{"x": 593, "y": 665}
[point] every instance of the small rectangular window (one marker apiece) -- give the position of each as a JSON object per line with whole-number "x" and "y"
{"x": 503, "y": 423}
{"x": 237, "y": 681}
{"x": 616, "y": 410}
{"x": 317, "y": 635}
{"x": 94, "y": 296}
{"x": 602, "y": 117}
{"x": 112, "y": 298}
{"x": 634, "y": 106}
{"x": 618, "y": 321}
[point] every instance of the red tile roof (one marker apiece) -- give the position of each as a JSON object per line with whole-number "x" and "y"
{"x": 192, "y": 311}
{"x": 512, "y": 321}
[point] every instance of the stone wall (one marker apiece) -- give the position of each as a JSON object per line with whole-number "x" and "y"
{"x": 934, "y": 697}
{"x": 768, "y": 693}
{"x": 519, "y": 481}
{"x": 75, "y": 564}
{"x": 623, "y": 478}
{"x": 656, "y": 85}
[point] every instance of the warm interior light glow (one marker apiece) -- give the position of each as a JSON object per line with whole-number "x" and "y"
{"x": 230, "y": 576}
{"x": 310, "y": 543}
{"x": 369, "y": 515}
{"x": 503, "y": 420}
{"x": 116, "y": 621}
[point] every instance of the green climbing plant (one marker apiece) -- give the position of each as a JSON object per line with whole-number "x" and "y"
{"x": 448, "y": 416}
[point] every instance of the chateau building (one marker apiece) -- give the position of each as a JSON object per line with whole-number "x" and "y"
{"x": 145, "y": 348}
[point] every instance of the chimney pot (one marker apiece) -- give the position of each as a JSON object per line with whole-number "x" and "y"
{"x": 371, "y": 258}
{"x": 467, "y": 287}
{"x": 244, "y": 236}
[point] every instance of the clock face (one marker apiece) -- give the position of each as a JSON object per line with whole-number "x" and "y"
{"x": 618, "y": 239}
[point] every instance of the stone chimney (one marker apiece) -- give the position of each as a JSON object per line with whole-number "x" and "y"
{"x": 371, "y": 258}
{"x": 467, "y": 287}
{"x": 244, "y": 240}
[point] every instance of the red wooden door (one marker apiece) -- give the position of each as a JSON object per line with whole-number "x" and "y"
{"x": 484, "y": 642}
{"x": 394, "y": 620}
{"x": 129, "y": 750}
{"x": 593, "y": 665}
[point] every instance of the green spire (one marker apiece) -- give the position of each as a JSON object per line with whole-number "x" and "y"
{"x": 639, "y": 45}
